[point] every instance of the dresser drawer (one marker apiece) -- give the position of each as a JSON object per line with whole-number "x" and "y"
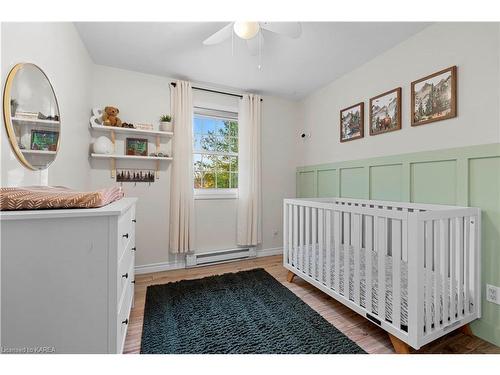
{"x": 126, "y": 232}
{"x": 125, "y": 275}
{"x": 124, "y": 316}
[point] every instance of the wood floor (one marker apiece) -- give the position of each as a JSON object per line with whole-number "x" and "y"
{"x": 366, "y": 334}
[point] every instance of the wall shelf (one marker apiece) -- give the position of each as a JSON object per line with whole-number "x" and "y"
{"x": 129, "y": 157}
{"x": 131, "y": 131}
{"x": 114, "y": 130}
{"x": 35, "y": 121}
{"x": 38, "y": 152}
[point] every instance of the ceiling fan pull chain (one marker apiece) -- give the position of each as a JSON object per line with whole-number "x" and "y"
{"x": 260, "y": 49}
{"x": 232, "y": 43}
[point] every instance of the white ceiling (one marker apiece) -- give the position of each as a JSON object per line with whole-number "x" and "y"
{"x": 292, "y": 68}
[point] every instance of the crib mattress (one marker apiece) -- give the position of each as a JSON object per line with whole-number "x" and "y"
{"x": 320, "y": 275}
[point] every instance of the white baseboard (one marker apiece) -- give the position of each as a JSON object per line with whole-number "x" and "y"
{"x": 159, "y": 267}
{"x": 269, "y": 252}
{"x": 168, "y": 266}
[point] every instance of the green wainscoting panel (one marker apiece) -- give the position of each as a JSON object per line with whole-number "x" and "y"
{"x": 385, "y": 182}
{"x": 467, "y": 176}
{"x": 434, "y": 182}
{"x": 484, "y": 192}
{"x": 327, "y": 182}
{"x": 306, "y": 184}
{"x": 353, "y": 183}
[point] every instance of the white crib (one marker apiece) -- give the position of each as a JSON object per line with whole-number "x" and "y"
{"x": 413, "y": 269}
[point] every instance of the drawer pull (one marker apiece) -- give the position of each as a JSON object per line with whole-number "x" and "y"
{"x": 134, "y": 221}
{"x": 134, "y": 249}
{"x": 125, "y": 235}
{"x": 125, "y": 321}
{"x": 133, "y": 281}
{"x": 125, "y": 275}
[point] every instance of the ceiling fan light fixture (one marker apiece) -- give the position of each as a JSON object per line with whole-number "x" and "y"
{"x": 246, "y": 30}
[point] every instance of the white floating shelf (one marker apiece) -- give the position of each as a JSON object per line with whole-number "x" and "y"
{"x": 131, "y": 131}
{"x": 35, "y": 121}
{"x": 128, "y": 157}
{"x": 38, "y": 152}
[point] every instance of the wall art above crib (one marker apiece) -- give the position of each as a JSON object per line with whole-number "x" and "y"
{"x": 385, "y": 112}
{"x": 434, "y": 98}
{"x": 352, "y": 122}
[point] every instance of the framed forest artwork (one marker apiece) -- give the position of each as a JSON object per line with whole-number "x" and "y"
{"x": 434, "y": 98}
{"x": 385, "y": 112}
{"x": 352, "y": 122}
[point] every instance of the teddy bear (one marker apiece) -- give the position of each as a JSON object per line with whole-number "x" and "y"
{"x": 109, "y": 117}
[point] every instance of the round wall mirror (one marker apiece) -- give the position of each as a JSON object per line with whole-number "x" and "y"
{"x": 31, "y": 116}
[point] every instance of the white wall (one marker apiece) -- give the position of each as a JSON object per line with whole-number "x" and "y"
{"x": 143, "y": 98}
{"x": 473, "y": 47}
{"x": 58, "y": 50}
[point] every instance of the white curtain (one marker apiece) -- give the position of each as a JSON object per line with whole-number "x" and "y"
{"x": 249, "y": 179}
{"x": 181, "y": 190}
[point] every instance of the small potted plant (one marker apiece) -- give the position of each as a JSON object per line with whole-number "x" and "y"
{"x": 166, "y": 123}
{"x": 13, "y": 107}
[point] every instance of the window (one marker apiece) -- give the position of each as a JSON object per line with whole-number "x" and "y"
{"x": 215, "y": 152}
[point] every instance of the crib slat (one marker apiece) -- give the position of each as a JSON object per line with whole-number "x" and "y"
{"x": 295, "y": 234}
{"x": 382, "y": 252}
{"x": 368, "y": 262}
{"x": 320, "y": 264}
{"x": 460, "y": 264}
{"x": 396, "y": 273}
{"x": 357, "y": 248}
{"x": 347, "y": 242}
{"x": 337, "y": 227}
{"x": 437, "y": 274}
{"x": 467, "y": 264}
{"x": 290, "y": 233}
{"x": 453, "y": 270}
{"x": 328, "y": 236}
{"x": 428, "y": 275}
{"x": 314, "y": 247}
{"x": 301, "y": 239}
{"x": 307, "y": 268}
{"x": 444, "y": 245}
{"x": 285, "y": 233}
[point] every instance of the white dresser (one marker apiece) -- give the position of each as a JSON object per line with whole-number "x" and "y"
{"x": 67, "y": 278}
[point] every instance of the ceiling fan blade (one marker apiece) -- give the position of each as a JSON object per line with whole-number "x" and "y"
{"x": 253, "y": 44}
{"x": 220, "y": 35}
{"x": 290, "y": 29}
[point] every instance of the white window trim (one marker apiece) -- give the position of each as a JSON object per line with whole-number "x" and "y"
{"x": 202, "y": 194}
{"x": 224, "y": 114}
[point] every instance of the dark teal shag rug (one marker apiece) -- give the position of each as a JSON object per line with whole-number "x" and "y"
{"x": 240, "y": 313}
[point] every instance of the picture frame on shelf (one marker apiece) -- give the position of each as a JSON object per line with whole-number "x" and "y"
{"x": 136, "y": 146}
{"x": 434, "y": 97}
{"x": 385, "y": 112}
{"x": 44, "y": 140}
{"x": 352, "y": 122}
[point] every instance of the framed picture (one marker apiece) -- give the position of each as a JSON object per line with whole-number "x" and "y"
{"x": 44, "y": 140}
{"x": 136, "y": 146}
{"x": 352, "y": 122}
{"x": 385, "y": 112}
{"x": 434, "y": 98}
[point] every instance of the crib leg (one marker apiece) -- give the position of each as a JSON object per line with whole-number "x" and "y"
{"x": 290, "y": 276}
{"x": 400, "y": 347}
{"x": 466, "y": 330}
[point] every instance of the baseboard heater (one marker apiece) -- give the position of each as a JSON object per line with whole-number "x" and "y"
{"x": 219, "y": 256}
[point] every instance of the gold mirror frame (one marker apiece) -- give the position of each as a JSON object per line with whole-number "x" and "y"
{"x": 8, "y": 118}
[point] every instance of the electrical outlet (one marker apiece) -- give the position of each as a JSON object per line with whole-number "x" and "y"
{"x": 493, "y": 294}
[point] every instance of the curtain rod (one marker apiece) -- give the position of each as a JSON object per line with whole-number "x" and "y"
{"x": 214, "y": 91}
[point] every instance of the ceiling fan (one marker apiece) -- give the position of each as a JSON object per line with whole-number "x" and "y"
{"x": 252, "y": 33}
